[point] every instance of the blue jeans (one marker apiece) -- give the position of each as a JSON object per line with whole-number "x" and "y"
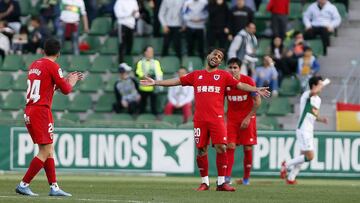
{"x": 74, "y": 37}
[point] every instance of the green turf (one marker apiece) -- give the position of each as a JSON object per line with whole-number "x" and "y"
{"x": 138, "y": 189}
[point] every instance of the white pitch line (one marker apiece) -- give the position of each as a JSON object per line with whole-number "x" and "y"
{"x": 80, "y": 199}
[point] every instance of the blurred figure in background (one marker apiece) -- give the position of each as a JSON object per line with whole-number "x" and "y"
{"x": 49, "y": 12}
{"x": 279, "y": 10}
{"x": 126, "y": 91}
{"x": 308, "y": 66}
{"x": 180, "y": 98}
{"x": 10, "y": 12}
{"x": 240, "y": 16}
{"x": 35, "y": 36}
{"x": 218, "y": 24}
{"x": 267, "y": 75}
{"x": 148, "y": 67}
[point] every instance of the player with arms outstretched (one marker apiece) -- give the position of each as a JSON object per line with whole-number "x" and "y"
{"x": 209, "y": 87}
{"x": 44, "y": 77}
{"x": 241, "y": 120}
{"x": 309, "y": 107}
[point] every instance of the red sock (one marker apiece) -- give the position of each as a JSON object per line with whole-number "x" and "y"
{"x": 203, "y": 165}
{"x": 230, "y": 157}
{"x": 49, "y": 166}
{"x": 35, "y": 166}
{"x": 247, "y": 163}
{"x": 221, "y": 163}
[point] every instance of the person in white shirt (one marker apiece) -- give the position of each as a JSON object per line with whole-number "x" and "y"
{"x": 309, "y": 107}
{"x": 195, "y": 14}
{"x": 321, "y": 18}
{"x": 126, "y": 12}
{"x": 70, "y": 12}
{"x": 180, "y": 98}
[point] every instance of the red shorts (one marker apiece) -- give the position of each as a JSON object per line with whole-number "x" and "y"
{"x": 204, "y": 130}
{"x": 247, "y": 136}
{"x": 40, "y": 124}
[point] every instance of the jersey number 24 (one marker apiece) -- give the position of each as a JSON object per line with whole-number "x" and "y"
{"x": 34, "y": 90}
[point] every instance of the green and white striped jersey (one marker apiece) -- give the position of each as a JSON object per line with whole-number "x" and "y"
{"x": 307, "y": 118}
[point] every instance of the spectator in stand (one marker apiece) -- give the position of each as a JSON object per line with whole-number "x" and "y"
{"x": 20, "y": 40}
{"x": 321, "y": 18}
{"x": 278, "y": 54}
{"x": 143, "y": 25}
{"x": 91, "y": 9}
{"x": 240, "y": 16}
{"x": 35, "y": 37}
{"x": 180, "y": 98}
{"x": 244, "y": 47}
{"x": 195, "y": 14}
{"x": 172, "y": 23}
{"x": 155, "y": 5}
{"x": 10, "y": 12}
{"x": 126, "y": 91}
{"x": 218, "y": 24}
{"x": 49, "y": 12}
{"x": 298, "y": 45}
{"x": 126, "y": 12}
{"x": 70, "y": 12}
{"x": 267, "y": 75}
{"x": 308, "y": 66}
{"x": 148, "y": 67}
{"x": 6, "y": 34}
{"x": 279, "y": 10}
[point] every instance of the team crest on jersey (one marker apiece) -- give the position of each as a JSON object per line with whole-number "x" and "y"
{"x": 200, "y": 77}
{"x": 216, "y": 77}
{"x": 60, "y": 73}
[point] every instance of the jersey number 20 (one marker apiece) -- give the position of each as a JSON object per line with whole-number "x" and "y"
{"x": 34, "y": 90}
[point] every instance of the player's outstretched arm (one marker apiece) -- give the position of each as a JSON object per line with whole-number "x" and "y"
{"x": 263, "y": 91}
{"x": 147, "y": 81}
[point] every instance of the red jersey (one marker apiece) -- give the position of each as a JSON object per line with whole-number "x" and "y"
{"x": 44, "y": 76}
{"x": 240, "y": 102}
{"x": 209, "y": 90}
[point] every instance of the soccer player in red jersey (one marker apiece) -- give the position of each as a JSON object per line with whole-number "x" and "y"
{"x": 44, "y": 77}
{"x": 209, "y": 87}
{"x": 241, "y": 120}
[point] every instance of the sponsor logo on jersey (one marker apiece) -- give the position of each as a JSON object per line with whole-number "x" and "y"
{"x": 60, "y": 73}
{"x": 216, "y": 77}
{"x": 237, "y": 98}
{"x": 215, "y": 89}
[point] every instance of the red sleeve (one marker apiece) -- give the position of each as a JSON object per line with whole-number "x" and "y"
{"x": 230, "y": 80}
{"x": 251, "y": 82}
{"x": 187, "y": 80}
{"x": 269, "y": 6}
{"x": 60, "y": 82}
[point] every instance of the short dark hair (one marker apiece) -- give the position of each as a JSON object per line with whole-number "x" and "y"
{"x": 307, "y": 49}
{"x": 249, "y": 23}
{"x": 296, "y": 33}
{"x": 235, "y": 60}
{"x": 52, "y": 47}
{"x": 314, "y": 80}
{"x": 217, "y": 49}
{"x": 36, "y": 19}
{"x": 146, "y": 48}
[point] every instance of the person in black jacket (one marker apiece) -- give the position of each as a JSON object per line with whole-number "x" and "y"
{"x": 126, "y": 91}
{"x": 218, "y": 23}
{"x": 240, "y": 16}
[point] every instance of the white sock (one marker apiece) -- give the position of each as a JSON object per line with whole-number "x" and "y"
{"x": 295, "y": 161}
{"x": 220, "y": 180}
{"x": 23, "y": 184}
{"x": 294, "y": 172}
{"x": 205, "y": 180}
{"x": 55, "y": 187}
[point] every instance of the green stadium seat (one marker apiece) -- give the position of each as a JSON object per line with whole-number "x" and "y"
{"x": 279, "y": 107}
{"x": 110, "y": 46}
{"x": 64, "y": 123}
{"x": 103, "y": 63}
{"x": 63, "y": 62}
{"x": 262, "y": 12}
{"x": 5, "y": 115}
{"x": 121, "y": 117}
{"x": 261, "y": 26}
{"x": 105, "y": 103}
{"x": 263, "y": 107}
{"x": 66, "y": 47}
{"x": 81, "y": 103}
{"x": 146, "y": 118}
{"x": 20, "y": 84}
{"x": 173, "y": 119}
{"x": 170, "y": 64}
{"x": 60, "y": 102}
{"x": 290, "y": 86}
{"x": 13, "y": 63}
{"x": 138, "y": 45}
{"x": 14, "y": 101}
{"x": 96, "y": 116}
{"x": 317, "y": 46}
{"x": 109, "y": 87}
{"x": 79, "y": 63}
{"x": 6, "y": 81}
{"x": 29, "y": 58}
{"x": 188, "y": 125}
{"x": 295, "y": 10}
{"x": 155, "y": 125}
{"x": 92, "y": 83}
{"x": 267, "y": 123}
{"x": 94, "y": 44}
{"x": 156, "y": 43}
{"x": 194, "y": 61}
{"x": 342, "y": 10}
{"x": 25, "y": 7}
{"x": 264, "y": 45}
{"x": 71, "y": 116}
{"x": 100, "y": 26}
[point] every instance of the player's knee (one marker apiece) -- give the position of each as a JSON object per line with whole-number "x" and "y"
{"x": 220, "y": 148}
{"x": 231, "y": 146}
{"x": 202, "y": 151}
{"x": 309, "y": 156}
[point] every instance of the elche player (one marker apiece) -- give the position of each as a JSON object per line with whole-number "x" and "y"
{"x": 44, "y": 77}
{"x": 309, "y": 107}
{"x": 209, "y": 89}
{"x": 241, "y": 120}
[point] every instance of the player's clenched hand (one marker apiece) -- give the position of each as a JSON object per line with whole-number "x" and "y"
{"x": 147, "y": 81}
{"x": 263, "y": 91}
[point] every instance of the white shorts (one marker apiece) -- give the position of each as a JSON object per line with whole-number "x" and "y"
{"x": 305, "y": 140}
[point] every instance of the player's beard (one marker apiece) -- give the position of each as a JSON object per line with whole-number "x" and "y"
{"x": 210, "y": 65}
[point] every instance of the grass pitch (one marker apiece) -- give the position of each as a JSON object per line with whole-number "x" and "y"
{"x": 139, "y": 189}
